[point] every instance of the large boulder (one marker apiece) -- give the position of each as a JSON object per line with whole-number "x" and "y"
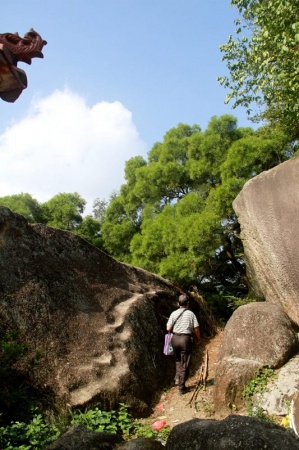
{"x": 232, "y": 376}
{"x": 98, "y": 323}
{"x": 261, "y": 332}
{"x": 258, "y": 334}
{"x": 268, "y": 212}
{"x": 233, "y": 433}
{"x": 143, "y": 444}
{"x": 79, "y": 437}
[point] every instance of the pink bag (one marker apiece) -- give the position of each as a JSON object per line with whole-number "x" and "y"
{"x": 168, "y": 349}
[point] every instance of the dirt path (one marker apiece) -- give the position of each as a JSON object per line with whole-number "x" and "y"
{"x": 175, "y": 408}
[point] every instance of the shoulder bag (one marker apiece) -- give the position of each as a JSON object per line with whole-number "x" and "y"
{"x": 168, "y": 349}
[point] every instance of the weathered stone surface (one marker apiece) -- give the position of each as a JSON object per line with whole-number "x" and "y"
{"x": 143, "y": 444}
{"x": 259, "y": 331}
{"x": 277, "y": 397}
{"x": 99, "y": 323}
{"x": 294, "y": 414}
{"x": 257, "y": 334}
{"x": 268, "y": 212}
{"x": 79, "y": 437}
{"x": 233, "y": 433}
{"x": 232, "y": 375}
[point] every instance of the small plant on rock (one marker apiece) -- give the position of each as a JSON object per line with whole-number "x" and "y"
{"x": 257, "y": 385}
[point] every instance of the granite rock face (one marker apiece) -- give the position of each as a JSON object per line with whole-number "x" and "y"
{"x": 79, "y": 437}
{"x": 276, "y": 399}
{"x": 257, "y": 335}
{"x": 98, "y": 323}
{"x": 233, "y": 433}
{"x": 262, "y": 334}
{"x": 268, "y": 212}
{"x": 143, "y": 444}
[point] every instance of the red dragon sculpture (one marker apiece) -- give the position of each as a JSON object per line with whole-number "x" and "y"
{"x": 13, "y": 49}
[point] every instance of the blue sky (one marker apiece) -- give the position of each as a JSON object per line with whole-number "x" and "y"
{"x": 116, "y": 76}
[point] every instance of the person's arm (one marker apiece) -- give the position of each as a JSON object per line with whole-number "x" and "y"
{"x": 197, "y": 334}
{"x": 169, "y": 324}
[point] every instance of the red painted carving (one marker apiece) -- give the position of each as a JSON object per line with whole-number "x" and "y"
{"x": 13, "y": 49}
{"x": 26, "y": 48}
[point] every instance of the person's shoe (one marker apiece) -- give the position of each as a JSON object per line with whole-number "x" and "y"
{"x": 182, "y": 391}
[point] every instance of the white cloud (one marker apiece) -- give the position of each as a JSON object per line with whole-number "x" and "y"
{"x": 63, "y": 145}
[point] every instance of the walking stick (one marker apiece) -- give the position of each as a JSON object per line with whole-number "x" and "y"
{"x": 203, "y": 374}
{"x": 197, "y": 385}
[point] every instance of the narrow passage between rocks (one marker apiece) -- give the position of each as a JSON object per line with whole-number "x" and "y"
{"x": 175, "y": 408}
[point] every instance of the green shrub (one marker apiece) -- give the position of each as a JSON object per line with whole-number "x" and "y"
{"x": 117, "y": 422}
{"x": 34, "y": 435}
{"x": 96, "y": 420}
{"x": 235, "y": 302}
{"x": 37, "y": 434}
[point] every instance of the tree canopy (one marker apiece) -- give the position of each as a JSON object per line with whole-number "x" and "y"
{"x": 174, "y": 215}
{"x": 64, "y": 211}
{"x": 23, "y": 204}
{"x": 90, "y": 229}
{"x": 262, "y": 58}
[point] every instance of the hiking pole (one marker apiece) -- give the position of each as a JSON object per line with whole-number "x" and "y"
{"x": 199, "y": 388}
{"x": 200, "y": 380}
{"x": 205, "y": 373}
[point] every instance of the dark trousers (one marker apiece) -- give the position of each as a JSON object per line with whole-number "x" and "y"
{"x": 182, "y": 346}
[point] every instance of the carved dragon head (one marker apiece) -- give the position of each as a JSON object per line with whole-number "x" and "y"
{"x": 26, "y": 48}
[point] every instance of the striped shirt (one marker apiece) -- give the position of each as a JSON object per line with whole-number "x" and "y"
{"x": 185, "y": 324}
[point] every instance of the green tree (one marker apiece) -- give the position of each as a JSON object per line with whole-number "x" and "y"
{"x": 99, "y": 208}
{"x": 90, "y": 229}
{"x": 166, "y": 178}
{"x": 118, "y": 229}
{"x": 262, "y": 58}
{"x": 64, "y": 211}
{"x": 123, "y": 215}
{"x": 174, "y": 216}
{"x": 23, "y": 204}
